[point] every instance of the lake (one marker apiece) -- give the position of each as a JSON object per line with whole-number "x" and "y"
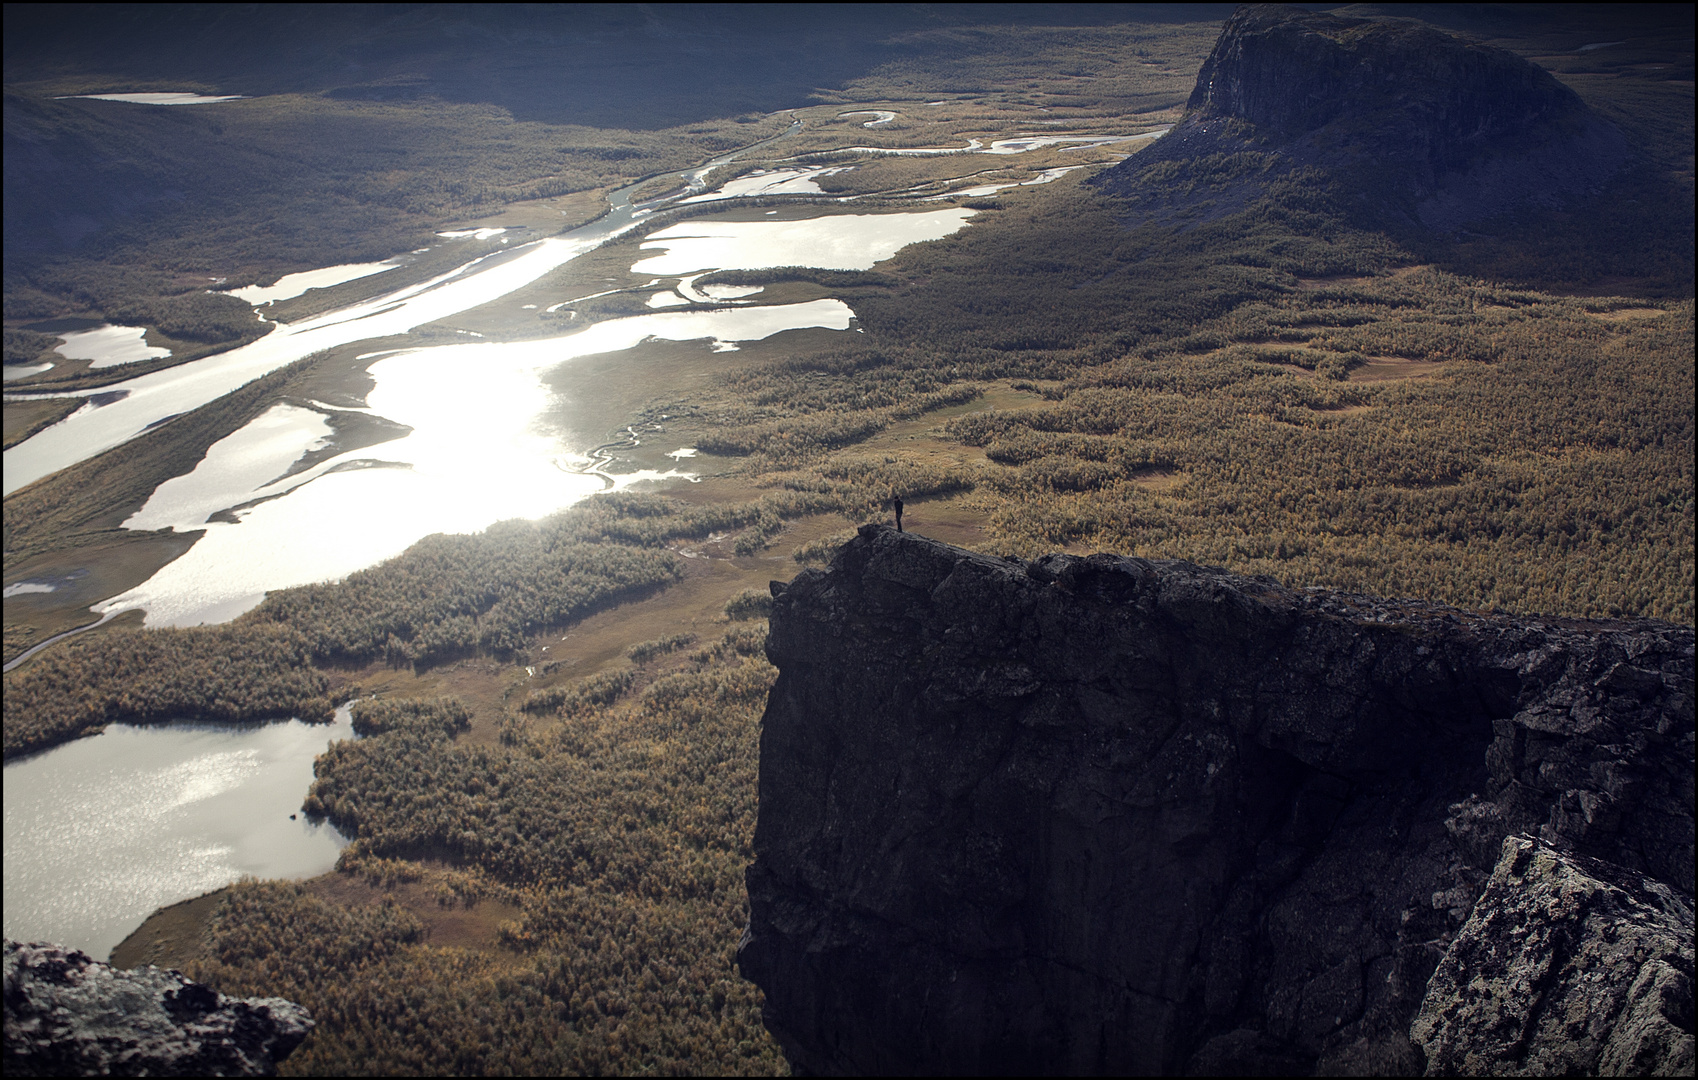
{"x": 102, "y": 831}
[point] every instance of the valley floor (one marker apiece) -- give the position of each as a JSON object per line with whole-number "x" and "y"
{"x": 552, "y": 805}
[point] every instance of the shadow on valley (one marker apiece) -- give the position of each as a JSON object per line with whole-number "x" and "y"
{"x": 1213, "y": 354}
{"x": 595, "y": 65}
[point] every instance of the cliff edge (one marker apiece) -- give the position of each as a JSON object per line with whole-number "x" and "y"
{"x": 1116, "y": 815}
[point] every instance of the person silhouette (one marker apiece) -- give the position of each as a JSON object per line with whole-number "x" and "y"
{"x": 896, "y": 504}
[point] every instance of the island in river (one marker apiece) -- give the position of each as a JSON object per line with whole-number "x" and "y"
{"x": 1279, "y": 392}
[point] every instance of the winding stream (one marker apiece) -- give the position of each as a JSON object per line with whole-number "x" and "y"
{"x": 149, "y": 399}
{"x": 102, "y": 831}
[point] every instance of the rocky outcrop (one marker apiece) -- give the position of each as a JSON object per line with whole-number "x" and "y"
{"x": 67, "y": 1015}
{"x": 1118, "y": 815}
{"x": 1403, "y": 121}
{"x": 1568, "y": 967}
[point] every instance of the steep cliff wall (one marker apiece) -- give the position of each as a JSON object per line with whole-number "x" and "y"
{"x": 1114, "y": 815}
{"x": 1408, "y": 123}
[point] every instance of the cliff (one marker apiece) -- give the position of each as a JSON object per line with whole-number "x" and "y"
{"x": 1116, "y": 815}
{"x": 1404, "y": 123}
{"x": 67, "y": 1015}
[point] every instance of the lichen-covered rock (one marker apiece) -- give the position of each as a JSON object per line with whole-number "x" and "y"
{"x": 1119, "y": 815}
{"x": 1568, "y": 967}
{"x": 67, "y": 1015}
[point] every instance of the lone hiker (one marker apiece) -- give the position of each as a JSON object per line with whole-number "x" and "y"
{"x": 896, "y": 504}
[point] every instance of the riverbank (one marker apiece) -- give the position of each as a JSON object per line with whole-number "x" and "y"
{"x": 1215, "y": 395}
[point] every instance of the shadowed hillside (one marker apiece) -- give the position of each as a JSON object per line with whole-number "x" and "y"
{"x": 1436, "y": 140}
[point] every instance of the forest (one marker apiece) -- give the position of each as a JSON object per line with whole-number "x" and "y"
{"x": 619, "y": 829}
{"x": 224, "y": 673}
{"x": 1500, "y": 421}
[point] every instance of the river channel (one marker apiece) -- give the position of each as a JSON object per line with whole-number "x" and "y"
{"x": 102, "y": 831}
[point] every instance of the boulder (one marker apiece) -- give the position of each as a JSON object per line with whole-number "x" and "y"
{"x": 68, "y": 1015}
{"x": 1568, "y": 966}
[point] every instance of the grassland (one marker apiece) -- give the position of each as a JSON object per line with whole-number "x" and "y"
{"x": 554, "y": 884}
{"x": 25, "y": 417}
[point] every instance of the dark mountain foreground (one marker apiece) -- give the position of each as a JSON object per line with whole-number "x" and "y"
{"x": 67, "y": 1015}
{"x": 1115, "y": 815}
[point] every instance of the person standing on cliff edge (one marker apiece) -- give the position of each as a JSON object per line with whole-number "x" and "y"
{"x": 896, "y": 504}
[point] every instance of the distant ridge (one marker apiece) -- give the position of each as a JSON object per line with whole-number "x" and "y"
{"x": 1412, "y": 127}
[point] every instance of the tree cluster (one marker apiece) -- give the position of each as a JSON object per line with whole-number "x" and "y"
{"x": 620, "y": 831}
{"x": 229, "y": 673}
{"x": 452, "y": 596}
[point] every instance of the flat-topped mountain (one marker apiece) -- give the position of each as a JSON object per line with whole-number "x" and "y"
{"x": 1113, "y": 815}
{"x": 1411, "y": 125}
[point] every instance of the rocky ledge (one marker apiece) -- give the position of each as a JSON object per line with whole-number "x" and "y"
{"x": 1114, "y": 815}
{"x": 67, "y": 1015}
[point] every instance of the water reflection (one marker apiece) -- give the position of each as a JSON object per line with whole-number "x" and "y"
{"x": 102, "y": 831}
{"x": 24, "y": 371}
{"x": 474, "y": 457}
{"x": 109, "y": 346}
{"x": 235, "y": 469}
{"x": 151, "y": 398}
{"x": 761, "y": 182}
{"x": 177, "y": 97}
{"x": 834, "y": 242}
{"x": 292, "y": 285}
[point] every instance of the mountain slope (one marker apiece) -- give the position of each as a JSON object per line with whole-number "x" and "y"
{"x": 1412, "y": 127}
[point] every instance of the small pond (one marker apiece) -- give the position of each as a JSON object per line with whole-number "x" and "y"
{"x": 100, "y": 832}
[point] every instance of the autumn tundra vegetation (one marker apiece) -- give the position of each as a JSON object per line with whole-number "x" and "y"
{"x": 1486, "y": 422}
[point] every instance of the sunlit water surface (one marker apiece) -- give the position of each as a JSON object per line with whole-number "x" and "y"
{"x": 292, "y": 285}
{"x": 102, "y": 831}
{"x": 109, "y": 346}
{"x": 834, "y": 242}
{"x": 761, "y": 182}
{"x": 482, "y": 452}
{"x": 880, "y": 116}
{"x": 151, "y": 398}
{"x": 169, "y": 97}
{"x": 475, "y": 456}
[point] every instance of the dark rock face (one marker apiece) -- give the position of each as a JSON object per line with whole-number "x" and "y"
{"x": 67, "y": 1015}
{"x": 1568, "y": 967}
{"x": 1115, "y": 815}
{"x": 1415, "y": 125}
